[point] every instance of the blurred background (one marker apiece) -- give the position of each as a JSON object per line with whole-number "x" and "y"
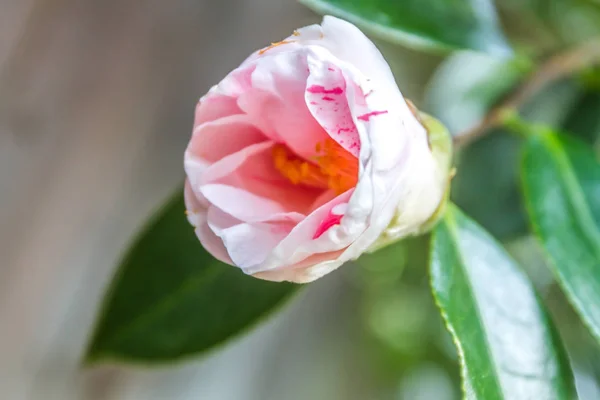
{"x": 96, "y": 108}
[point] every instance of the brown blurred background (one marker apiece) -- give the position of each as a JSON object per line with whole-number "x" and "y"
{"x": 96, "y": 106}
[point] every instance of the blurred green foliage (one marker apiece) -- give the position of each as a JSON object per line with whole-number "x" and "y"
{"x": 400, "y": 316}
{"x": 424, "y": 23}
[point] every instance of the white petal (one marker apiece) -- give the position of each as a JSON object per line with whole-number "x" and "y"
{"x": 349, "y": 44}
{"x": 301, "y": 244}
{"x": 249, "y": 244}
{"x": 242, "y": 204}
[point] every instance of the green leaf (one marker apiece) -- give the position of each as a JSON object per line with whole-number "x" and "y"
{"x": 584, "y": 120}
{"x": 507, "y": 346}
{"x": 170, "y": 299}
{"x": 567, "y": 22}
{"x": 561, "y": 184}
{"x": 486, "y": 184}
{"x": 445, "y": 24}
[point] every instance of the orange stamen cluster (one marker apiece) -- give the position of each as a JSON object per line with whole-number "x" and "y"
{"x": 338, "y": 164}
{"x": 296, "y": 170}
{"x": 273, "y": 45}
{"x": 334, "y": 168}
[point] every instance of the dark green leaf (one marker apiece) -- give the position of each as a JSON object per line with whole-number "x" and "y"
{"x": 448, "y": 24}
{"x": 561, "y": 181}
{"x": 170, "y": 299}
{"x": 486, "y": 184}
{"x": 584, "y": 120}
{"x": 566, "y": 22}
{"x": 507, "y": 346}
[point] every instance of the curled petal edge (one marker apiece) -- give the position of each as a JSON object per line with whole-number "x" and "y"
{"x": 440, "y": 143}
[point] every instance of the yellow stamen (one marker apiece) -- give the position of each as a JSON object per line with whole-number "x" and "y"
{"x": 273, "y": 45}
{"x": 334, "y": 167}
{"x": 296, "y": 170}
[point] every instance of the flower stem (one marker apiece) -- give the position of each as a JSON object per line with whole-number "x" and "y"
{"x": 559, "y": 66}
{"x": 512, "y": 121}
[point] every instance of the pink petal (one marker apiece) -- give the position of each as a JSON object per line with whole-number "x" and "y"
{"x": 277, "y": 105}
{"x": 299, "y": 244}
{"x": 228, "y": 164}
{"x": 305, "y": 271}
{"x": 193, "y": 206}
{"x": 367, "y": 116}
{"x": 219, "y": 138}
{"x": 215, "y": 106}
{"x": 328, "y": 222}
{"x": 326, "y": 99}
{"x": 324, "y": 198}
{"x": 212, "y": 243}
{"x": 349, "y": 44}
{"x": 197, "y": 215}
{"x": 254, "y": 102}
{"x": 252, "y": 170}
{"x": 236, "y": 82}
{"x": 249, "y": 244}
{"x": 221, "y": 100}
{"x": 385, "y": 122}
{"x": 241, "y": 204}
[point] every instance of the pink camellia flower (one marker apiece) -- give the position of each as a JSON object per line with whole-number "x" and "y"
{"x": 306, "y": 156}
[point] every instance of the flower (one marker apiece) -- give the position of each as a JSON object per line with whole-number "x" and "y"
{"x": 307, "y": 155}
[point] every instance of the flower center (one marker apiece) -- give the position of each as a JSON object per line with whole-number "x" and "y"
{"x": 334, "y": 167}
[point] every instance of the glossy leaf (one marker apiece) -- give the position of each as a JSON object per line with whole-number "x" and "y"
{"x": 447, "y": 24}
{"x": 507, "y": 346}
{"x": 170, "y": 299}
{"x": 561, "y": 182}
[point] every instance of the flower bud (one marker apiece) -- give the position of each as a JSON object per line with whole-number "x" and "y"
{"x": 307, "y": 155}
